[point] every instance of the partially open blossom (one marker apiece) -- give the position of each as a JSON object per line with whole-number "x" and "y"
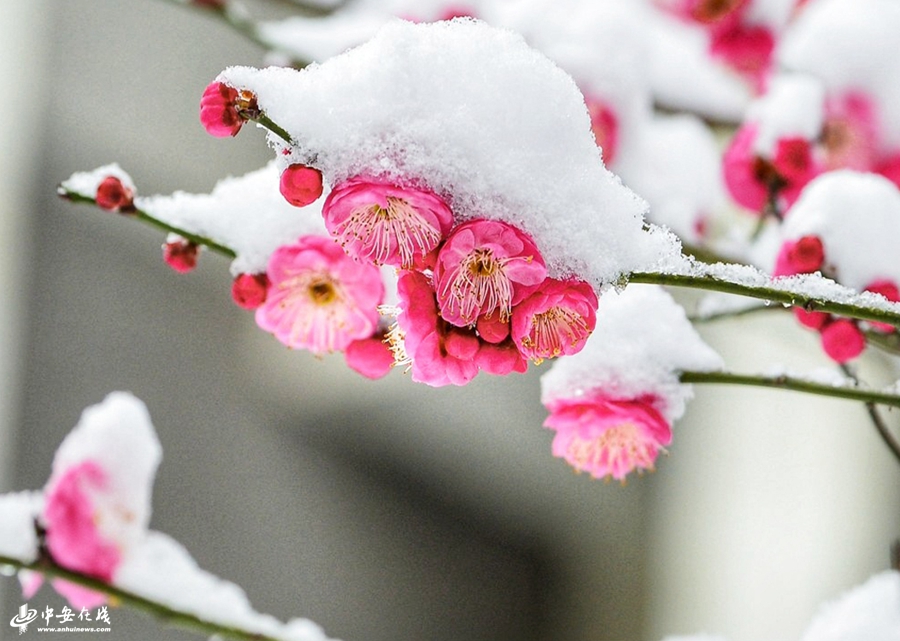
{"x": 485, "y": 267}
{"x": 385, "y": 224}
{"x": 438, "y": 353}
{"x": 750, "y": 178}
{"x": 113, "y": 195}
{"x": 555, "y": 320}
{"x": 319, "y": 298}
{"x": 249, "y": 291}
{"x": 97, "y": 500}
{"x": 180, "y": 254}
{"x": 606, "y": 436}
{"x": 221, "y": 109}
{"x": 803, "y": 256}
{"x": 371, "y": 357}
{"x": 604, "y": 126}
{"x": 301, "y": 185}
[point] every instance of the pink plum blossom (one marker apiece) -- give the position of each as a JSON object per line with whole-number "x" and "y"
{"x": 113, "y": 195}
{"x": 802, "y": 256}
{"x": 850, "y": 132}
{"x": 301, "y": 185}
{"x": 385, "y": 224}
{"x": 748, "y": 50}
{"x": 73, "y": 539}
{"x": 607, "y": 436}
{"x": 97, "y": 501}
{"x": 750, "y": 178}
{"x": 319, "y": 298}
{"x": 555, "y": 320}
{"x": 485, "y": 267}
{"x": 604, "y": 126}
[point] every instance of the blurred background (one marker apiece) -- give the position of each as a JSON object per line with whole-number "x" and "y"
{"x": 381, "y": 510}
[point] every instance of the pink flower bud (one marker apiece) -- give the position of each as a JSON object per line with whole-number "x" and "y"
{"x": 604, "y": 126}
{"x": 249, "y": 290}
{"x": 112, "y": 195}
{"x": 889, "y": 290}
{"x": 813, "y": 320}
{"x": 181, "y": 255}
{"x": 301, "y": 185}
{"x": 842, "y": 340}
{"x": 218, "y": 110}
{"x": 371, "y": 357}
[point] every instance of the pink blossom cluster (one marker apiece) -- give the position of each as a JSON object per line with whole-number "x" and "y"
{"x": 850, "y": 137}
{"x": 472, "y": 296}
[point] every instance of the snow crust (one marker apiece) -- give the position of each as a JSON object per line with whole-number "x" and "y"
{"x": 791, "y": 108}
{"x": 857, "y": 217}
{"x": 480, "y": 118}
{"x": 851, "y": 45}
{"x": 641, "y": 343}
{"x": 85, "y": 183}
{"x": 246, "y": 213}
{"x": 870, "y": 611}
{"x": 162, "y": 570}
{"x": 18, "y": 512}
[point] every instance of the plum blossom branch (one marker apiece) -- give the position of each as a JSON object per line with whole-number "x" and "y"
{"x": 146, "y": 218}
{"x": 889, "y": 439}
{"x": 847, "y": 392}
{"x": 784, "y": 291}
{"x": 167, "y": 614}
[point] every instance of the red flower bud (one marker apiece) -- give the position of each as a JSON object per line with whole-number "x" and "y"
{"x": 112, "y": 195}
{"x": 301, "y": 185}
{"x": 249, "y": 290}
{"x": 218, "y": 112}
{"x": 181, "y": 255}
{"x": 842, "y": 340}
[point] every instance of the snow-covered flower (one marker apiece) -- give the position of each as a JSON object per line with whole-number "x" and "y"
{"x": 607, "y": 436}
{"x": 319, "y": 298}
{"x": 384, "y": 223}
{"x": 555, "y": 320}
{"x": 97, "y": 500}
{"x": 613, "y": 403}
{"x": 484, "y": 268}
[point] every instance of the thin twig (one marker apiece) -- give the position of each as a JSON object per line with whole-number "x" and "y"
{"x": 892, "y": 443}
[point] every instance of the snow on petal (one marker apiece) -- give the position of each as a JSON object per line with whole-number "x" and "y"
{"x": 642, "y": 340}
{"x": 510, "y": 143}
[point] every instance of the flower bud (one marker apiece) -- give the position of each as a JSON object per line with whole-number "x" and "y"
{"x": 112, "y": 195}
{"x": 301, "y": 185}
{"x": 249, "y": 290}
{"x": 181, "y": 255}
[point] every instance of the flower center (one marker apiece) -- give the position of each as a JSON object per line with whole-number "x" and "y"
{"x": 322, "y": 292}
{"x": 481, "y": 286}
{"x": 615, "y": 452}
{"x": 379, "y": 230}
{"x": 552, "y": 330}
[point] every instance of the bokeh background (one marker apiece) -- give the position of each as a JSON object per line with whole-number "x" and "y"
{"x": 382, "y": 510}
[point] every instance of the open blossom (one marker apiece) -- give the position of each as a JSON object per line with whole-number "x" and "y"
{"x": 385, "y": 224}
{"x": 319, "y": 299}
{"x": 97, "y": 500}
{"x": 750, "y": 178}
{"x": 850, "y": 132}
{"x": 555, "y": 320}
{"x": 607, "y": 436}
{"x": 484, "y": 268}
